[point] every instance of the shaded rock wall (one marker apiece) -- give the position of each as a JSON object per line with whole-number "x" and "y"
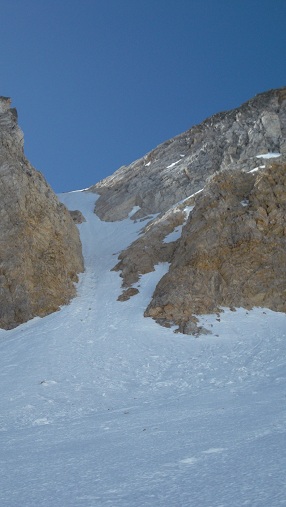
{"x": 40, "y": 249}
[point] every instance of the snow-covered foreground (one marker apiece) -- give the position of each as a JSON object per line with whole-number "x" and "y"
{"x": 101, "y": 407}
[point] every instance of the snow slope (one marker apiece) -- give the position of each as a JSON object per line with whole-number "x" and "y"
{"x": 101, "y": 407}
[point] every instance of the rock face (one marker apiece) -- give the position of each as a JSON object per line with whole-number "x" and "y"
{"x": 179, "y": 167}
{"x": 232, "y": 252}
{"x": 232, "y": 249}
{"x": 154, "y": 244}
{"x": 40, "y": 249}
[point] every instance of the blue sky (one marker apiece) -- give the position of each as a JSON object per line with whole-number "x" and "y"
{"x": 99, "y": 83}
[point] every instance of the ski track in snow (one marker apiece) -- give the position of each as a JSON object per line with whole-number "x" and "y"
{"x": 102, "y": 407}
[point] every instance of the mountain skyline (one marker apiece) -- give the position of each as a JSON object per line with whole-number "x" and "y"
{"x": 98, "y": 85}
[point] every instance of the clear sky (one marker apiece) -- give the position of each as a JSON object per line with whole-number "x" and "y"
{"x": 99, "y": 83}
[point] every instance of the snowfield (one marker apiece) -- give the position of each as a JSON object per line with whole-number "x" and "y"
{"x": 101, "y": 407}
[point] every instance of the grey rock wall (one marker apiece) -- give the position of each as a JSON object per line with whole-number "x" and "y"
{"x": 179, "y": 167}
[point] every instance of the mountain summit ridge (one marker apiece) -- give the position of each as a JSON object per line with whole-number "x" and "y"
{"x": 180, "y": 166}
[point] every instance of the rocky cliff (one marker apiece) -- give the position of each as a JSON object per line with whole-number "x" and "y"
{"x": 40, "y": 249}
{"x": 232, "y": 252}
{"x": 221, "y": 223}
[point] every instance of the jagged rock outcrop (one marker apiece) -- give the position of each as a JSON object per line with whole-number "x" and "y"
{"x": 179, "y": 167}
{"x": 155, "y": 244}
{"x": 232, "y": 252}
{"x": 40, "y": 249}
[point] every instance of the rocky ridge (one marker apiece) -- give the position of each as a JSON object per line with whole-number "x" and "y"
{"x": 180, "y": 166}
{"x": 40, "y": 249}
{"x": 232, "y": 248}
